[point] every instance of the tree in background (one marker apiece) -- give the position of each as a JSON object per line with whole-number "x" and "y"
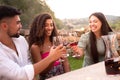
{"x": 116, "y": 25}
{"x": 30, "y": 8}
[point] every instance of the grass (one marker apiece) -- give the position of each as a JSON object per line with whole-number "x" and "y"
{"x": 75, "y": 63}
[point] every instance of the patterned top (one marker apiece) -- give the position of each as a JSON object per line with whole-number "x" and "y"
{"x": 57, "y": 69}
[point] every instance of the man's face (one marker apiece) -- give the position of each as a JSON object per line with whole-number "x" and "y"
{"x": 14, "y": 26}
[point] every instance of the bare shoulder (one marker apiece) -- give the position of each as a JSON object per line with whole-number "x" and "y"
{"x": 35, "y": 52}
{"x": 35, "y": 47}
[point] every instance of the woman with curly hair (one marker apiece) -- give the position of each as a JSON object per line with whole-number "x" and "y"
{"x": 40, "y": 41}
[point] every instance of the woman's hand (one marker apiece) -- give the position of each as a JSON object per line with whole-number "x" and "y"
{"x": 77, "y": 51}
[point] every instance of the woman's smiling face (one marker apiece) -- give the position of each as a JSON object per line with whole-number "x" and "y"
{"x": 95, "y": 24}
{"x": 48, "y": 27}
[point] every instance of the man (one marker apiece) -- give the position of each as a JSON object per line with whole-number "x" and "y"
{"x": 14, "y": 59}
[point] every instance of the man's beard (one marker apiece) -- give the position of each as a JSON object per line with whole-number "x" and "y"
{"x": 14, "y": 35}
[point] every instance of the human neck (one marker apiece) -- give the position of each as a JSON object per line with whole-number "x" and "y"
{"x": 97, "y": 34}
{"x": 47, "y": 41}
{"x": 7, "y": 41}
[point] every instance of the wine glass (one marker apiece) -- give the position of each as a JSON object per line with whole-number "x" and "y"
{"x": 65, "y": 42}
{"x": 57, "y": 40}
{"x": 74, "y": 42}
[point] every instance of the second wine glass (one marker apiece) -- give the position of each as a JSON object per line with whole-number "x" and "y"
{"x": 74, "y": 42}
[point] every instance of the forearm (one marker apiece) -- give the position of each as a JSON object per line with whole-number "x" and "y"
{"x": 48, "y": 68}
{"x": 66, "y": 65}
{"x": 42, "y": 65}
{"x": 81, "y": 51}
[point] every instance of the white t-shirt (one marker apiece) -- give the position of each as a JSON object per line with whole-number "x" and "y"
{"x": 13, "y": 66}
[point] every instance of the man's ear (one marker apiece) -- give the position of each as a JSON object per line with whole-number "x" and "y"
{"x": 4, "y": 25}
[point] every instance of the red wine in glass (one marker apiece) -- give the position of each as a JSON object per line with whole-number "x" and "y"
{"x": 112, "y": 66}
{"x": 75, "y": 54}
{"x": 73, "y": 44}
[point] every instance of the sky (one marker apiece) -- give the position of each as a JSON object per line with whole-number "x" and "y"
{"x": 67, "y": 9}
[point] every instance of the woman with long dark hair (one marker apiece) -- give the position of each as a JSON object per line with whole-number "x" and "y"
{"x": 91, "y": 45}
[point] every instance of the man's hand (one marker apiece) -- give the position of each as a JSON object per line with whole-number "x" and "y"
{"x": 56, "y": 52}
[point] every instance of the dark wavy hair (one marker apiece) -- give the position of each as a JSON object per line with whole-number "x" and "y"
{"x": 37, "y": 31}
{"x": 105, "y": 28}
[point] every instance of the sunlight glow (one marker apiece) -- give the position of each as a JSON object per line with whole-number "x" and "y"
{"x": 83, "y": 8}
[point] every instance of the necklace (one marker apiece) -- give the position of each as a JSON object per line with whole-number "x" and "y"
{"x": 49, "y": 46}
